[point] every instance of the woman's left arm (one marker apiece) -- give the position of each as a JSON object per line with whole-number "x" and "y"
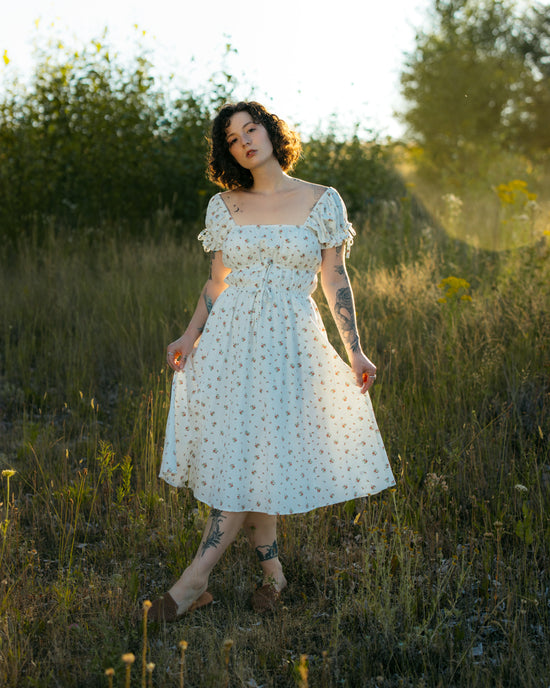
{"x": 337, "y": 288}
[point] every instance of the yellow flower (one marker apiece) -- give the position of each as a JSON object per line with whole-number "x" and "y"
{"x": 454, "y": 288}
{"x": 515, "y": 192}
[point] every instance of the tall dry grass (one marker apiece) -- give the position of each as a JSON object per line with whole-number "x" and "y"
{"x": 441, "y": 582}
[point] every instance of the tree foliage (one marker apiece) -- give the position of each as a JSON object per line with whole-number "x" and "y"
{"x": 477, "y": 84}
{"x": 93, "y": 142}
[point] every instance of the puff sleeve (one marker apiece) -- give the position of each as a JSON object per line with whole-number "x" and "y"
{"x": 217, "y": 225}
{"x": 329, "y": 220}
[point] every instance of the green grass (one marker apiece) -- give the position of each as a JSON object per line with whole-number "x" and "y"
{"x": 442, "y": 582}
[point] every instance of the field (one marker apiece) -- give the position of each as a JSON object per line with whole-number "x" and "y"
{"x": 444, "y": 581}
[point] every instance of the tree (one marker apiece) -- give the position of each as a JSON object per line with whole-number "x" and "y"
{"x": 92, "y": 140}
{"x": 477, "y": 84}
{"x": 533, "y": 46}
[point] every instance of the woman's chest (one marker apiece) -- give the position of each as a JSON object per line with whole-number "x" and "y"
{"x": 285, "y": 245}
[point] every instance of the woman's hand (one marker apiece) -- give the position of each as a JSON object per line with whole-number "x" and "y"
{"x": 177, "y": 353}
{"x": 364, "y": 371}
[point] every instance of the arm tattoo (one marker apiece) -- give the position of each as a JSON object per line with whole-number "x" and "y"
{"x": 209, "y": 303}
{"x": 339, "y": 249}
{"x": 340, "y": 269}
{"x": 212, "y": 254}
{"x": 345, "y": 318}
{"x": 266, "y": 552}
{"x": 214, "y": 536}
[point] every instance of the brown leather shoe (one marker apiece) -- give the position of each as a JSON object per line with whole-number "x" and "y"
{"x": 165, "y": 608}
{"x": 266, "y": 598}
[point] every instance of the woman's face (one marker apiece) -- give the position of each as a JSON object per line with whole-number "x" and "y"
{"x": 248, "y": 141}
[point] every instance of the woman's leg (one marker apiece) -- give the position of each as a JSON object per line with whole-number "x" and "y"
{"x": 221, "y": 529}
{"x": 261, "y": 530}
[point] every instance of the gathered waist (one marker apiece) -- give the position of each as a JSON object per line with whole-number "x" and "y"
{"x": 270, "y": 276}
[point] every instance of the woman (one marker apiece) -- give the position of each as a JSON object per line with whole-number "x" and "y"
{"x": 265, "y": 417}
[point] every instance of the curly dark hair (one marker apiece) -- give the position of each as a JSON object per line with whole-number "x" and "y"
{"x": 224, "y": 170}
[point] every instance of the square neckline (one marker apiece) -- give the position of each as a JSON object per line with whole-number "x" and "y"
{"x": 275, "y": 224}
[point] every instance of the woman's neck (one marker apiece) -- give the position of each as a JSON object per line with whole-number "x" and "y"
{"x": 270, "y": 179}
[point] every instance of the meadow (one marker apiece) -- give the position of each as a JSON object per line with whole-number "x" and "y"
{"x": 443, "y": 581}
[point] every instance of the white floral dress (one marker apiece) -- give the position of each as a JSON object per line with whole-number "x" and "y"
{"x": 266, "y": 416}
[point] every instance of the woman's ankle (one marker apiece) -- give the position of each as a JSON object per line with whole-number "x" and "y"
{"x": 191, "y": 580}
{"x": 273, "y": 573}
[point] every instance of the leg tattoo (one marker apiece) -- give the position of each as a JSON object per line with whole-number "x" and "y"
{"x": 266, "y": 552}
{"x": 214, "y": 534}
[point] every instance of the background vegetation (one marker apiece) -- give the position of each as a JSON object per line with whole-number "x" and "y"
{"x": 441, "y": 582}
{"x": 478, "y": 91}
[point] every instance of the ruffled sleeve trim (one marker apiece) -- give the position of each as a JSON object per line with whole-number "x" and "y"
{"x": 217, "y": 225}
{"x": 329, "y": 221}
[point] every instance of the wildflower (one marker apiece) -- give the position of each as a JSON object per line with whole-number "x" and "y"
{"x": 110, "y": 673}
{"x": 128, "y": 659}
{"x": 433, "y": 480}
{"x": 454, "y": 203}
{"x": 514, "y": 191}
{"x": 147, "y": 604}
{"x": 8, "y": 473}
{"x": 455, "y": 289}
{"x": 520, "y": 488}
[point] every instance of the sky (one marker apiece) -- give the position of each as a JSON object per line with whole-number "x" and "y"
{"x": 306, "y": 60}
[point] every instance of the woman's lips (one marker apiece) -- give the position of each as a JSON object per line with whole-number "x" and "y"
{"x": 250, "y": 153}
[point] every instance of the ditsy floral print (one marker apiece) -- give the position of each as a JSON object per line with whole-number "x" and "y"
{"x": 266, "y": 416}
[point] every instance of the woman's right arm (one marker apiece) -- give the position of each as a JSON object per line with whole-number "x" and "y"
{"x": 178, "y": 351}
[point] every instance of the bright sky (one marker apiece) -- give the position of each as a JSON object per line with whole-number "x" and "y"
{"x": 304, "y": 59}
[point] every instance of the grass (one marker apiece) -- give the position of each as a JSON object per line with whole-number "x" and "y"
{"x": 441, "y": 582}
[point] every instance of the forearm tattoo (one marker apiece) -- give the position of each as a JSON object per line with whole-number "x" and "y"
{"x": 344, "y": 315}
{"x": 212, "y": 254}
{"x": 209, "y": 303}
{"x": 214, "y": 536}
{"x": 266, "y": 552}
{"x": 340, "y": 269}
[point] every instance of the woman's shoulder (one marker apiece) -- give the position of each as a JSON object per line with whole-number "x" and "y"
{"x": 317, "y": 190}
{"x": 321, "y": 195}
{"x": 216, "y": 210}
